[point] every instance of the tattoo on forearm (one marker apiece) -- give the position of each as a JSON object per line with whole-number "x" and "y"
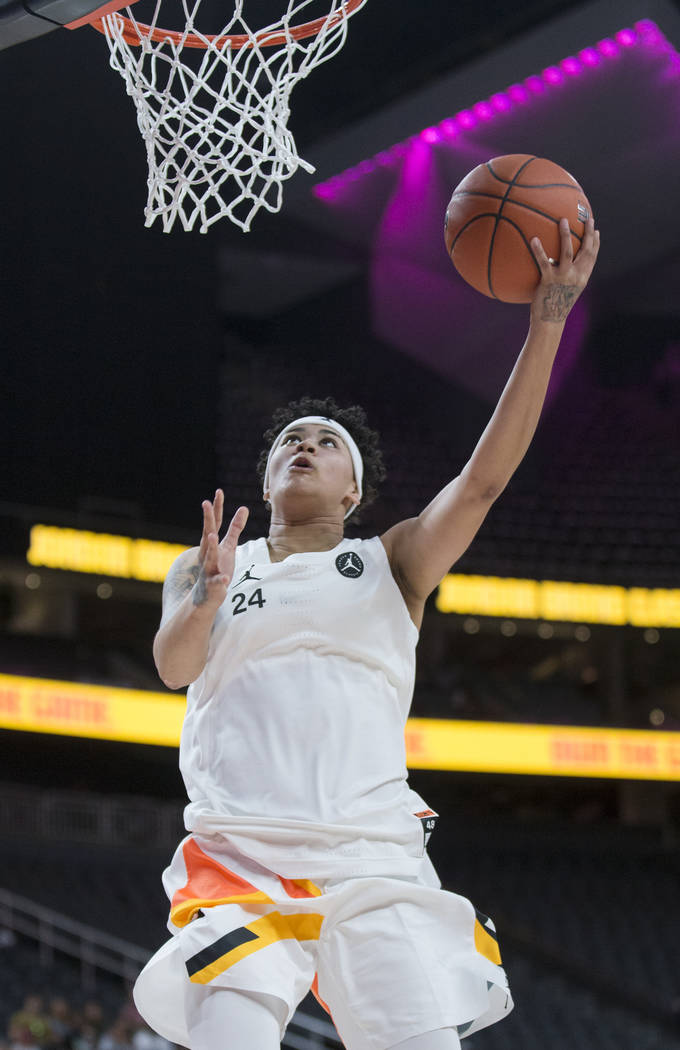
{"x": 557, "y": 302}
{"x": 180, "y": 582}
{"x": 198, "y": 594}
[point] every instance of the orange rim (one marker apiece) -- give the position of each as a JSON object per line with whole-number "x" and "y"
{"x": 134, "y": 31}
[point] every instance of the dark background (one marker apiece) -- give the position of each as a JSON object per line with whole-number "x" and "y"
{"x": 113, "y": 333}
{"x": 141, "y": 368}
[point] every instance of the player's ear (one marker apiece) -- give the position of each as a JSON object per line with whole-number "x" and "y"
{"x": 353, "y": 496}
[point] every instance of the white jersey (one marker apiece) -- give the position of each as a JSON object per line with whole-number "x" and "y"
{"x": 306, "y": 863}
{"x": 293, "y": 741}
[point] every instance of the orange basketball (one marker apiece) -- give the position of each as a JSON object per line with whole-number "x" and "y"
{"x": 496, "y": 210}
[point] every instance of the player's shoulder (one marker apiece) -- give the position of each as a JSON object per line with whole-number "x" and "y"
{"x": 253, "y": 550}
{"x": 185, "y": 567}
{"x": 184, "y": 560}
{"x": 368, "y": 543}
{"x": 395, "y": 536}
{"x": 180, "y": 578}
{"x": 371, "y": 548}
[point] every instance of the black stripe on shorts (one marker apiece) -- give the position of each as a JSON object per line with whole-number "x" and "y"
{"x": 219, "y": 948}
{"x": 482, "y": 919}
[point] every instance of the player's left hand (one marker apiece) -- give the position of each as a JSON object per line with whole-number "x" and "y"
{"x": 563, "y": 280}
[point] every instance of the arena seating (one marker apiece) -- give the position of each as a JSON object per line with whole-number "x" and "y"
{"x": 550, "y": 1010}
{"x": 462, "y": 690}
{"x": 21, "y": 973}
{"x": 584, "y": 918}
{"x": 116, "y": 891}
{"x": 598, "y": 900}
{"x": 595, "y": 499}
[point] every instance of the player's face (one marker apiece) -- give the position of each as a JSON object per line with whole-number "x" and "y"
{"x": 312, "y": 460}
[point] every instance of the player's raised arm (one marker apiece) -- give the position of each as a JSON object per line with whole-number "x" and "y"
{"x": 423, "y": 549}
{"x": 194, "y": 589}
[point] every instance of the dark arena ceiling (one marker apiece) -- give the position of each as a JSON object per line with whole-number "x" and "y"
{"x": 115, "y": 334}
{"x": 140, "y": 368}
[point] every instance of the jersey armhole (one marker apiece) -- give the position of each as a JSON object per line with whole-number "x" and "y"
{"x": 395, "y": 585}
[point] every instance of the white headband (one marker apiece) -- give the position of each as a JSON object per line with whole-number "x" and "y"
{"x": 357, "y": 461}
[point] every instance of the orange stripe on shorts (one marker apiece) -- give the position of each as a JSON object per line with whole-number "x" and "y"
{"x": 208, "y": 883}
{"x": 299, "y": 887}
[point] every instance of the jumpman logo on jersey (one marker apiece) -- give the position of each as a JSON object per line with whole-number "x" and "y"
{"x": 247, "y": 576}
{"x": 349, "y": 564}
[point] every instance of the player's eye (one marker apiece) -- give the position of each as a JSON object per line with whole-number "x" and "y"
{"x": 332, "y": 441}
{"x": 290, "y": 437}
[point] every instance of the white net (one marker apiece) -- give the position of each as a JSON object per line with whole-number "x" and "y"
{"x": 214, "y": 115}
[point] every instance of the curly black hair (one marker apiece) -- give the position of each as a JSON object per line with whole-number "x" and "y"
{"x": 352, "y": 419}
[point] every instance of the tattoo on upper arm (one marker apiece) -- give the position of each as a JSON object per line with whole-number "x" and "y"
{"x": 557, "y": 302}
{"x": 178, "y": 583}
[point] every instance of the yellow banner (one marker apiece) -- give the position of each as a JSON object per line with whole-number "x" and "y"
{"x": 76, "y": 550}
{"x": 41, "y": 705}
{"x": 567, "y": 751}
{"x": 554, "y": 600}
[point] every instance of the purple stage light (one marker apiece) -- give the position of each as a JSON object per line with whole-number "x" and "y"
{"x": 500, "y": 102}
{"x": 649, "y": 32}
{"x": 518, "y": 93}
{"x": 571, "y": 66}
{"x": 325, "y": 191}
{"x": 608, "y": 47}
{"x": 483, "y": 110}
{"x": 449, "y": 128}
{"x": 589, "y": 57}
{"x": 466, "y": 119}
{"x": 535, "y": 85}
{"x": 644, "y": 32}
{"x": 552, "y": 75}
{"x": 415, "y": 173}
{"x": 626, "y": 37}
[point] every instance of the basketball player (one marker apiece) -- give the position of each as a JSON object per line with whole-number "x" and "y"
{"x": 306, "y": 863}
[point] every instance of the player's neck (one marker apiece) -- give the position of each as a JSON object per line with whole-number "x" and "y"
{"x": 286, "y": 538}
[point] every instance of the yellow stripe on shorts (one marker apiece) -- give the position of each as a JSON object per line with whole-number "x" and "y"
{"x": 486, "y": 944}
{"x": 182, "y": 914}
{"x": 210, "y": 962}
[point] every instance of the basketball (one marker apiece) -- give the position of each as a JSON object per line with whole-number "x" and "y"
{"x": 497, "y": 209}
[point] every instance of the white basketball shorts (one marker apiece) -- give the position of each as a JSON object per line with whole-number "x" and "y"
{"x": 388, "y": 958}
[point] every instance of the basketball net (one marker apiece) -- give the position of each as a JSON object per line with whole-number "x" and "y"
{"x": 213, "y": 109}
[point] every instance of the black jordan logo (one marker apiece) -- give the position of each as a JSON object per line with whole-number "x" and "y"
{"x": 349, "y": 564}
{"x": 247, "y": 576}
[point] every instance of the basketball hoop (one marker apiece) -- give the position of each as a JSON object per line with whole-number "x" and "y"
{"x": 213, "y": 108}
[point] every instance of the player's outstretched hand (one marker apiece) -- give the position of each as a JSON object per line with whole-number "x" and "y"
{"x": 215, "y": 558}
{"x": 563, "y": 279}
